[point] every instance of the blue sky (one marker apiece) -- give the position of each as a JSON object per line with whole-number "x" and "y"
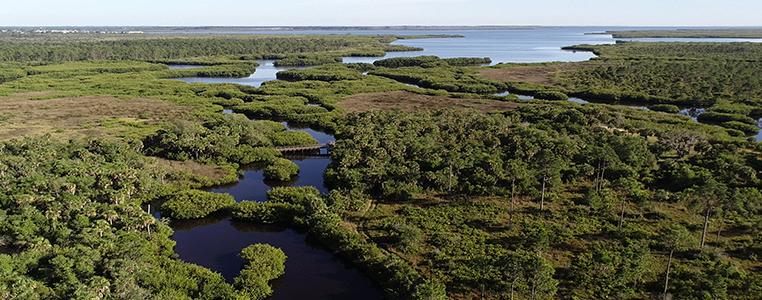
{"x": 386, "y": 12}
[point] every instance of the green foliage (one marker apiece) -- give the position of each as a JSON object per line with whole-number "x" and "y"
{"x": 72, "y": 226}
{"x": 264, "y": 263}
{"x": 307, "y": 60}
{"x": 281, "y": 169}
{"x": 11, "y": 73}
{"x": 95, "y": 67}
{"x": 714, "y": 278}
{"x": 669, "y": 73}
{"x": 468, "y": 61}
{"x": 611, "y": 271}
{"x": 195, "y": 204}
{"x": 264, "y": 213}
{"x": 450, "y": 79}
{"x": 395, "y": 155}
{"x": 667, "y": 108}
{"x": 293, "y": 138}
{"x": 420, "y": 61}
{"x": 174, "y": 48}
{"x": 231, "y": 138}
{"x": 717, "y": 117}
{"x": 323, "y": 73}
{"x": 430, "y": 62}
{"x": 278, "y": 108}
{"x": 551, "y": 95}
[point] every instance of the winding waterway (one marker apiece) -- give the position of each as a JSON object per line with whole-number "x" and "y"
{"x": 311, "y": 272}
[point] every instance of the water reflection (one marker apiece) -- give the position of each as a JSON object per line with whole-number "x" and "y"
{"x": 264, "y": 72}
{"x": 252, "y": 186}
{"x": 311, "y": 273}
{"x": 692, "y": 112}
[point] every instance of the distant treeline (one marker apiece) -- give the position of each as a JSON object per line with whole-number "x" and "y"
{"x": 176, "y": 48}
{"x": 750, "y": 33}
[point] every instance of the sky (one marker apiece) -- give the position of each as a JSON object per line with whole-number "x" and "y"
{"x": 375, "y": 13}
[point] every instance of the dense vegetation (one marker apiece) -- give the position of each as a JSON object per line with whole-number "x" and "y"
{"x": 194, "y": 204}
{"x": 281, "y": 169}
{"x": 550, "y": 200}
{"x": 153, "y": 49}
{"x": 446, "y": 78}
{"x": 548, "y": 203}
{"x": 72, "y": 226}
{"x": 719, "y": 76}
{"x": 263, "y": 264}
{"x": 430, "y": 61}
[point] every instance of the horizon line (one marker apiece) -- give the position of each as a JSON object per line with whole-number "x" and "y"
{"x": 391, "y": 26}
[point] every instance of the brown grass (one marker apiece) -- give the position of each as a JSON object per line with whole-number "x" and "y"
{"x": 25, "y": 115}
{"x": 540, "y": 73}
{"x": 407, "y": 101}
{"x": 214, "y": 173}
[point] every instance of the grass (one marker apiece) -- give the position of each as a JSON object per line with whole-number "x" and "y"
{"x": 83, "y": 117}
{"x": 408, "y": 101}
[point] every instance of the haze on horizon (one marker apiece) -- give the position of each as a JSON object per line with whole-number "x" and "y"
{"x": 378, "y": 13}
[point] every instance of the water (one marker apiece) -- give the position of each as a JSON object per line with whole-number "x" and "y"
{"x": 264, "y": 72}
{"x": 320, "y": 136}
{"x": 578, "y": 100}
{"x": 521, "y": 97}
{"x": 252, "y": 186}
{"x": 311, "y": 272}
{"x": 758, "y": 138}
{"x": 692, "y": 112}
{"x": 520, "y": 45}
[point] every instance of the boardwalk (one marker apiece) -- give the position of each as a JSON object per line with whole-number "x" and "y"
{"x": 305, "y": 149}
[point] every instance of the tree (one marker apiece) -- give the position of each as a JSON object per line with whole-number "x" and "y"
{"x": 675, "y": 238}
{"x": 518, "y": 174}
{"x": 626, "y": 188}
{"x": 538, "y": 274}
{"x": 610, "y": 270}
{"x": 549, "y": 167}
{"x": 708, "y": 196}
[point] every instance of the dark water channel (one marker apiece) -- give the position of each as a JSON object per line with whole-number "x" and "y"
{"x": 311, "y": 272}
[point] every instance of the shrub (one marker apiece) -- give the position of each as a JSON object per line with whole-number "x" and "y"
{"x": 718, "y": 118}
{"x": 293, "y": 195}
{"x": 743, "y": 127}
{"x": 340, "y": 200}
{"x": 264, "y": 213}
{"x": 263, "y": 264}
{"x": 259, "y": 154}
{"x": 194, "y": 204}
{"x": 281, "y": 169}
{"x": 551, "y": 95}
{"x": 327, "y": 73}
{"x": 667, "y": 108}
{"x": 399, "y": 62}
{"x": 293, "y": 138}
{"x": 307, "y": 60}
{"x": 467, "y": 61}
